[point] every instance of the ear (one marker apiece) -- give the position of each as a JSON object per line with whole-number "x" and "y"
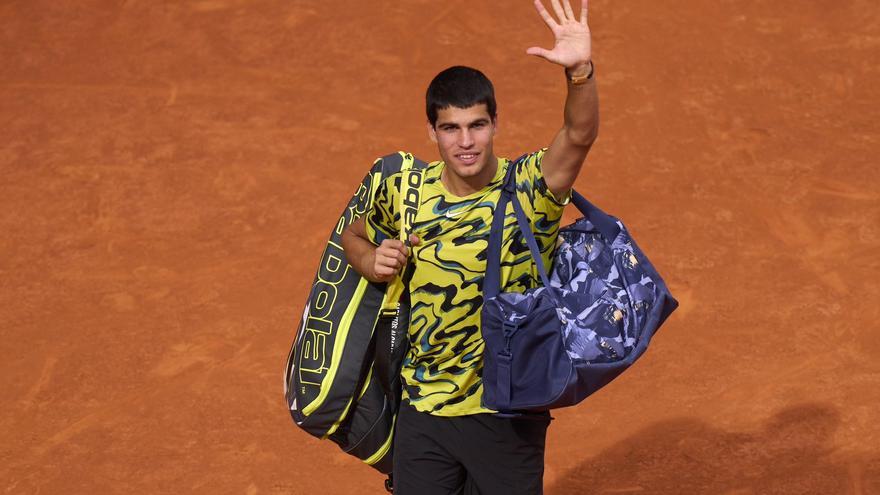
{"x": 495, "y": 125}
{"x": 432, "y": 133}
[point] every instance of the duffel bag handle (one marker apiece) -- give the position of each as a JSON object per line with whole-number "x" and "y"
{"x": 604, "y": 223}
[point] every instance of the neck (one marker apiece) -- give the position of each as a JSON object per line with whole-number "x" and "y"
{"x": 463, "y": 186}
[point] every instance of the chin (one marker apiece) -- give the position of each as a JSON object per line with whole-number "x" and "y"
{"x": 469, "y": 170}
{"x": 465, "y": 170}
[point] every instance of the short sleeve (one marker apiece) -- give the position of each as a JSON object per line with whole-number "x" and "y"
{"x": 382, "y": 220}
{"x": 530, "y": 180}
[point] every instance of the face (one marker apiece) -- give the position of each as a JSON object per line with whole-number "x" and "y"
{"x": 464, "y": 138}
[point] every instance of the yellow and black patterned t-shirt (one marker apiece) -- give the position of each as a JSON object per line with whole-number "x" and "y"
{"x": 441, "y": 373}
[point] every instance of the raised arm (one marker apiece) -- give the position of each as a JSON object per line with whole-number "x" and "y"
{"x": 572, "y": 50}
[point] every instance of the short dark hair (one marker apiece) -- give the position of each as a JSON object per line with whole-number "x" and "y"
{"x": 460, "y": 87}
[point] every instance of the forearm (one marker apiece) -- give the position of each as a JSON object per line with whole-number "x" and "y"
{"x": 359, "y": 252}
{"x": 566, "y": 153}
{"x": 581, "y": 113}
{"x": 573, "y": 50}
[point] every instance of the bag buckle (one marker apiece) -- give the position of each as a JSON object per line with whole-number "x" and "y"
{"x": 507, "y": 330}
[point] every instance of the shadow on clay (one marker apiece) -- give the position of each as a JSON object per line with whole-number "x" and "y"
{"x": 790, "y": 454}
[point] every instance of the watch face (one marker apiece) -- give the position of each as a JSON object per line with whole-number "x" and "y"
{"x": 582, "y": 79}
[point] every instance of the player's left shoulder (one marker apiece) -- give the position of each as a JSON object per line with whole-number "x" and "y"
{"x": 528, "y": 166}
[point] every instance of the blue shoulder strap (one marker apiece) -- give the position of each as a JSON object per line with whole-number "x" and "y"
{"x": 604, "y": 223}
{"x": 492, "y": 280}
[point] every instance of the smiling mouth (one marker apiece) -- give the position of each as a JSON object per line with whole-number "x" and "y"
{"x": 468, "y": 158}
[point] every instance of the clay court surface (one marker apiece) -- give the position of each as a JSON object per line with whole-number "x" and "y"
{"x": 171, "y": 171}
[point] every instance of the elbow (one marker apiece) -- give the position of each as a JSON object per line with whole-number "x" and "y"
{"x": 345, "y": 239}
{"x": 583, "y": 138}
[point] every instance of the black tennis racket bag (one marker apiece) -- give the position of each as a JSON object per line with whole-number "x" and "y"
{"x": 334, "y": 384}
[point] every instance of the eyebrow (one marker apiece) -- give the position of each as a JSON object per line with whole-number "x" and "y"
{"x": 447, "y": 125}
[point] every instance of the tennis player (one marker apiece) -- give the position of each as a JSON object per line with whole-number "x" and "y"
{"x": 446, "y": 442}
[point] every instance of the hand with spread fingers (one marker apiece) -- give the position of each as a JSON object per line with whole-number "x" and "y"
{"x": 572, "y": 47}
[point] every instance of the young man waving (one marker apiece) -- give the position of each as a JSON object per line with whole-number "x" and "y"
{"x": 444, "y": 436}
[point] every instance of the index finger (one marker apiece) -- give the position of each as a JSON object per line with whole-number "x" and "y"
{"x": 392, "y": 244}
{"x": 401, "y": 247}
{"x": 545, "y": 15}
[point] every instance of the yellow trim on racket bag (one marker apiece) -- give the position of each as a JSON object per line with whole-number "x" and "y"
{"x": 343, "y": 327}
{"x": 373, "y": 459}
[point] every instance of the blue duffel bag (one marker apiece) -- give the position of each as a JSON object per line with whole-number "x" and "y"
{"x": 553, "y": 346}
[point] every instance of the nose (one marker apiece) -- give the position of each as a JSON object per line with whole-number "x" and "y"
{"x": 466, "y": 140}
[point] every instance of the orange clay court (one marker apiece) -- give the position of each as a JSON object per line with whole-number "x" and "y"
{"x": 171, "y": 172}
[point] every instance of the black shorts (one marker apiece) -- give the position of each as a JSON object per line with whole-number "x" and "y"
{"x": 468, "y": 455}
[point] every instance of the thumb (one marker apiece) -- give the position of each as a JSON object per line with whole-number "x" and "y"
{"x": 414, "y": 240}
{"x": 538, "y": 52}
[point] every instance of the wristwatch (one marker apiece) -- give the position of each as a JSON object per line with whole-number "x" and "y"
{"x": 582, "y": 79}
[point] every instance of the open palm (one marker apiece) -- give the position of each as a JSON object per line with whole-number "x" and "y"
{"x": 572, "y": 46}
